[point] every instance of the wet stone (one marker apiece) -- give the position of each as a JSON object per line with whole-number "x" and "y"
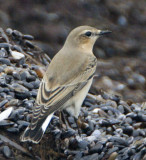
{"x": 33, "y": 94}
{"x": 118, "y": 140}
{"x": 90, "y": 157}
{"x": 28, "y": 37}
{"x": 113, "y": 156}
{"x": 30, "y": 78}
{"x": 24, "y": 75}
{"x": 29, "y": 44}
{"x": 68, "y": 133}
{"x": 121, "y": 108}
{"x": 4, "y": 123}
{"x": 28, "y": 105}
{"x": 13, "y": 130}
{"x": 82, "y": 144}
{"x": 2, "y": 103}
{"x": 71, "y": 120}
{"x": 5, "y": 45}
{"x": 96, "y": 149}
{"x": 5, "y": 61}
{"x": 23, "y": 95}
{"x": 28, "y": 85}
{"x": 35, "y": 84}
{"x": 16, "y": 75}
{"x": 91, "y": 126}
{"x": 17, "y": 35}
{"x": 9, "y": 31}
{"x": 110, "y": 151}
{"x": 6, "y": 151}
{"x": 78, "y": 155}
{"x": 128, "y": 130}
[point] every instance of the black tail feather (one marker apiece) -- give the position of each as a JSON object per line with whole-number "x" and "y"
{"x": 33, "y": 135}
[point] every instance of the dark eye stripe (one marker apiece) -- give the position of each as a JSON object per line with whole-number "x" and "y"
{"x": 88, "y": 33}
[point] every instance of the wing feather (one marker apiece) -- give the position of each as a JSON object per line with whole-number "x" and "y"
{"x": 51, "y": 100}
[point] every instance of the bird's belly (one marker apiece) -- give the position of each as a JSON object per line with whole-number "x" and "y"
{"x": 73, "y": 105}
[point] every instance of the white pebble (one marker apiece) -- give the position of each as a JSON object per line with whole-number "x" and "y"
{"x": 17, "y": 55}
{"x": 5, "y": 114}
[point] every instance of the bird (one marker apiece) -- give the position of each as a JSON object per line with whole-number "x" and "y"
{"x": 66, "y": 81}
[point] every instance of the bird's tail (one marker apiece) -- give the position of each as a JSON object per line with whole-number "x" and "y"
{"x": 35, "y": 135}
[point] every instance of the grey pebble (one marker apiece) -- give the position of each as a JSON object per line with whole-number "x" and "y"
{"x": 94, "y": 156}
{"x": 2, "y": 103}
{"x": 13, "y": 130}
{"x": 7, "y": 152}
{"x": 5, "y": 61}
{"x": 96, "y": 149}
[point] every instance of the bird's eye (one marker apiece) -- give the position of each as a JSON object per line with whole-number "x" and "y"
{"x": 88, "y": 34}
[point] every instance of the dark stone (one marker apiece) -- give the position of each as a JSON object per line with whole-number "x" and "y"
{"x": 118, "y": 140}
{"x": 5, "y": 45}
{"x": 30, "y": 78}
{"x": 6, "y": 152}
{"x": 4, "y": 123}
{"x": 29, "y": 44}
{"x": 28, "y": 85}
{"x": 68, "y": 133}
{"x": 2, "y": 103}
{"x": 13, "y": 130}
{"x": 96, "y": 149}
{"x": 5, "y": 61}
{"x": 82, "y": 144}
{"x": 36, "y": 84}
{"x": 28, "y": 37}
{"x": 94, "y": 156}
{"x": 128, "y": 130}
{"x": 22, "y": 95}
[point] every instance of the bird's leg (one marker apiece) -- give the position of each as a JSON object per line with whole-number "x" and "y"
{"x": 78, "y": 123}
{"x": 65, "y": 121}
{"x": 61, "y": 120}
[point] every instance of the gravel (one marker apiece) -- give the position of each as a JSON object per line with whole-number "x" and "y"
{"x": 109, "y": 128}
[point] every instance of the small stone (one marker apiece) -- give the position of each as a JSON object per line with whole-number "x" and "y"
{"x": 17, "y": 55}
{"x": 28, "y": 37}
{"x": 28, "y": 85}
{"x": 29, "y": 44}
{"x": 4, "y": 123}
{"x": 96, "y": 149}
{"x": 96, "y": 133}
{"x": 2, "y": 103}
{"x": 68, "y": 133}
{"x": 94, "y": 156}
{"x": 13, "y": 130}
{"x": 6, "y": 151}
{"x": 5, "y": 61}
{"x": 113, "y": 156}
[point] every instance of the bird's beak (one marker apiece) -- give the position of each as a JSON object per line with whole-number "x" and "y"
{"x": 100, "y": 33}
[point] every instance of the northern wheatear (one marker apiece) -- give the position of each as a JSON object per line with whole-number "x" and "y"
{"x": 66, "y": 81}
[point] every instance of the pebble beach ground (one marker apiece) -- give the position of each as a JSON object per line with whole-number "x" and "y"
{"x": 109, "y": 127}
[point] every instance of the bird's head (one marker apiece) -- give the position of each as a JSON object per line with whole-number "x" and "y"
{"x": 84, "y": 37}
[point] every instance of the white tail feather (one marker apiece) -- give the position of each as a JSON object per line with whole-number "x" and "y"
{"x": 47, "y": 121}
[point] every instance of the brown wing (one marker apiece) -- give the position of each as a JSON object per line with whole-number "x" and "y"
{"x": 52, "y": 100}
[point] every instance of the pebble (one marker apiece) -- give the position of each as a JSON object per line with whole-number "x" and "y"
{"x": 17, "y": 55}
{"x": 2, "y": 103}
{"x": 96, "y": 149}
{"x": 13, "y": 130}
{"x": 110, "y": 127}
{"x": 4, "y": 123}
{"x": 5, "y": 61}
{"x": 90, "y": 157}
{"x": 6, "y": 151}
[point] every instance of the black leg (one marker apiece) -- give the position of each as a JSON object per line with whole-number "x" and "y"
{"x": 78, "y": 123}
{"x": 65, "y": 120}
